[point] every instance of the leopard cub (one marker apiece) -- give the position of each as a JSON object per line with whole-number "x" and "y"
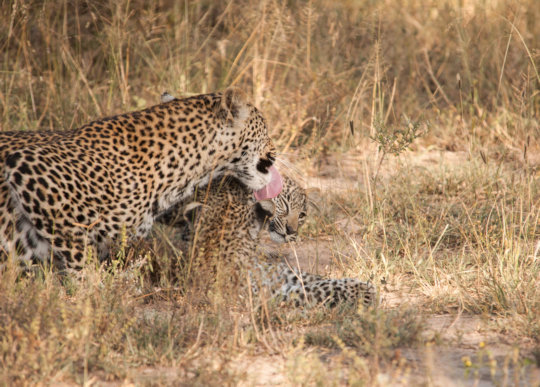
{"x": 226, "y": 222}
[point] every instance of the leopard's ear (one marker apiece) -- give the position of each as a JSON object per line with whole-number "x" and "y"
{"x": 166, "y": 97}
{"x": 232, "y": 101}
{"x": 265, "y": 209}
{"x": 313, "y": 196}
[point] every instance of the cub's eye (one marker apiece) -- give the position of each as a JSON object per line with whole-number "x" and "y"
{"x": 302, "y": 215}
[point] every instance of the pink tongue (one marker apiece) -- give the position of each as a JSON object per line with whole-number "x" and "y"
{"x": 272, "y": 189}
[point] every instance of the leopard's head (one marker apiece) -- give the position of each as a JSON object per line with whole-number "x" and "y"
{"x": 247, "y": 152}
{"x": 253, "y": 158}
{"x": 289, "y": 210}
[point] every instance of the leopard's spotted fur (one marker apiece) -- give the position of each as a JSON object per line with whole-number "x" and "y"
{"x": 62, "y": 192}
{"x": 225, "y": 243}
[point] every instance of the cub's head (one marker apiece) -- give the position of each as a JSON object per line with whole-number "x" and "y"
{"x": 286, "y": 213}
{"x": 281, "y": 216}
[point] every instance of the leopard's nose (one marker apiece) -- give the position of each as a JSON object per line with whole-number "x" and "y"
{"x": 290, "y": 230}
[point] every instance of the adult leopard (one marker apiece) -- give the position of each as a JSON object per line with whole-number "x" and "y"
{"x": 65, "y": 193}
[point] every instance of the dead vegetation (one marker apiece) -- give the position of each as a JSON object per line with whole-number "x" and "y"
{"x": 419, "y": 122}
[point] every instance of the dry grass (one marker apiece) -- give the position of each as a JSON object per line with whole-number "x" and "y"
{"x": 446, "y": 225}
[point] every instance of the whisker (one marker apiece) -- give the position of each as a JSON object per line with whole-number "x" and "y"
{"x": 291, "y": 170}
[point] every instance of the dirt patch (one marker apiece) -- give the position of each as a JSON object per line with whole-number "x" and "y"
{"x": 261, "y": 370}
{"x": 318, "y": 255}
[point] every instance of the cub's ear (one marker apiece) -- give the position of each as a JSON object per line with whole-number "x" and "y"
{"x": 264, "y": 210}
{"x": 232, "y": 101}
{"x": 166, "y": 97}
{"x": 192, "y": 212}
{"x": 314, "y": 197}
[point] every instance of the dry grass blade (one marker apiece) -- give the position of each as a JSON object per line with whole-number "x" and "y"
{"x": 445, "y": 221}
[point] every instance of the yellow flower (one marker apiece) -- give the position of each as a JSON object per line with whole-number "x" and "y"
{"x": 466, "y": 361}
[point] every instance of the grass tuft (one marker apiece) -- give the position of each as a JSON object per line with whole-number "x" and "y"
{"x": 445, "y": 221}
